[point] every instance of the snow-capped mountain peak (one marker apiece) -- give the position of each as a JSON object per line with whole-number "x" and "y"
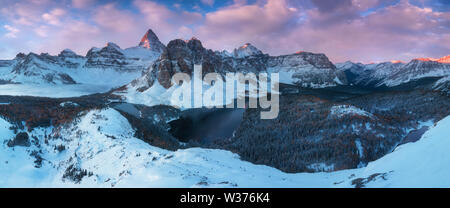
{"x": 112, "y": 45}
{"x": 68, "y": 54}
{"x": 224, "y": 53}
{"x": 151, "y": 41}
{"x": 396, "y": 61}
{"x": 247, "y": 50}
{"x": 20, "y": 56}
{"x": 444, "y": 60}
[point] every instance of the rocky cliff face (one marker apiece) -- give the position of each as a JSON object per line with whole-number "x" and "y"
{"x": 303, "y": 69}
{"x": 151, "y": 42}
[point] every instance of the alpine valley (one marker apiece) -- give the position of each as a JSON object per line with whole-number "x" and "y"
{"x": 104, "y": 120}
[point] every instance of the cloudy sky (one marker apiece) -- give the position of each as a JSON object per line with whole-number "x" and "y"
{"x": 356, "y": 30}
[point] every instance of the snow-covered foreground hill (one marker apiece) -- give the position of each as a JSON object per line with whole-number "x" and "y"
{"x": 98, "y": 150}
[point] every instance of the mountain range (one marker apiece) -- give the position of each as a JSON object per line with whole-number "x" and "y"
{"x": 104, "y": 119}
{"x": 152, "y": 60}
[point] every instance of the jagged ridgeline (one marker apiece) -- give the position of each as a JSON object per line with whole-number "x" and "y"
{"x": 332, "y": 117}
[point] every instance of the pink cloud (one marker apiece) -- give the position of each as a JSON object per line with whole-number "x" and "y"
{"x": 238, "y": 24}
{"x": 76, "y": 35}
{"x": 22, "y": 13}
{"x": 42, "y": 31}
{"x": 12, "y": 31}
{"x": 110, "y": 17}
{"x": 400, "y": 31}
{"x": 167, "y": 23}
{"x": 338, "y": 31}
{"x": 410, "y": 32}
{"x": 81, "y": 4}
{"x": 114, "y": 24}
{"x": 53, "y": 17}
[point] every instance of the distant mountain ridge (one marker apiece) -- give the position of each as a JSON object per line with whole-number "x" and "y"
{"x": 445, "y": 59}
{"x": 108, "y": 65}
{"x": 152, "y": 61}
{"x": 394, "y": 73}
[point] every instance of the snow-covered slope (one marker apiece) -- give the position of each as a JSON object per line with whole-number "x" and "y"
{"x": 113, "y": 57}
{"x": 246, "y": 50}
{"x": 369, "y": 74}
{"x": 424, "y": 163}
{"x": 100, "y": 70}
{"x": 109, "y": 65}
{"x": 112, "y": 67}
{"x": 307, "y": 70}
{"x": 98, "y": 150}
{"x": 341, "y": 110}
{"x": 417, "y": 69}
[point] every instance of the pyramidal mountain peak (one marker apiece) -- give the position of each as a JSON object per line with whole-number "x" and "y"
{"x": 151, "y": 41}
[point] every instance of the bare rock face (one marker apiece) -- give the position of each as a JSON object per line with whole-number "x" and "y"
{"x": 21, "y": 139}
{"x": 20, "y": 56}
{"x": 151, "y": 41}
{"x": 181, "y": 56}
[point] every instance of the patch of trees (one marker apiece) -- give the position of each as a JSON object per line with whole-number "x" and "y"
{"x": 44, "y": 112}
{"x": 305, "y": 133}
{"x": 151, "y": 133}
{"x": 75, "y": 173}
